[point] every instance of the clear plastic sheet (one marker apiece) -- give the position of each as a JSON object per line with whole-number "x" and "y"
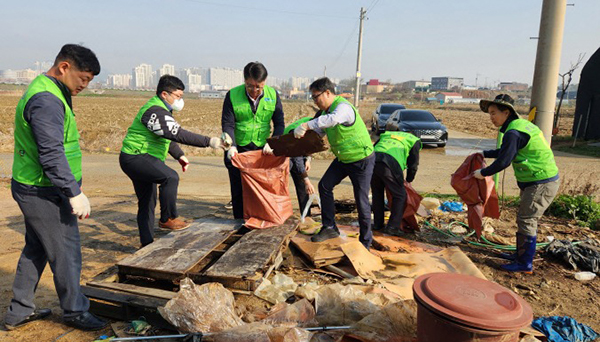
{"x": 302, "y": 313}
{"x": 201, "y": 308}
{"x": 338, "y": 305}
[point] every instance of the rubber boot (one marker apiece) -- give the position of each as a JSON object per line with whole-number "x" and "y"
{"x": 508, "y": 256}
{"x": 525, "y": 253}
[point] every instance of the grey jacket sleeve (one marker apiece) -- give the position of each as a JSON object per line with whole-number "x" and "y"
{"x": 45, "y": 113}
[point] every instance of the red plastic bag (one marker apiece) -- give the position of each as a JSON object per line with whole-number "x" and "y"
{"x": 479, "y": 195}
{"x": 411, "y": 206}
{"x": 267, "y": 201}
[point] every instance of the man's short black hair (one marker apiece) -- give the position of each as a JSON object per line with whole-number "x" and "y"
{"x": 83, "y": 59}
{"x": 169, "y": 84}
{"x": 255, "y": 71}
{"x": 322, "y": 84}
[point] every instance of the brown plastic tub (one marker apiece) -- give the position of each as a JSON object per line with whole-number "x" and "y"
{"x": 461, "y": 308}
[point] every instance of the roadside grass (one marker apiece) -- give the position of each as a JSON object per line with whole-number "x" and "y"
{"x": 582, "y": 147}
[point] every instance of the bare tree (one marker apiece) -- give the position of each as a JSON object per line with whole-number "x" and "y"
{"x": 563, "y": 89}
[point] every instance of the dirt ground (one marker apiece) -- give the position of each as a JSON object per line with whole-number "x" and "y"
{"x": 111, "y": 233}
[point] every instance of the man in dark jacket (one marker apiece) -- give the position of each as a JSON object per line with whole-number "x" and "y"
{"x": 248, "y": 110}
{"x": 46, "y": 184}
{"x": 154, "y": 133}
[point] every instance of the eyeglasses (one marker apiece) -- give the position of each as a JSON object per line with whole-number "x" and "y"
{"x": 315, "y": 97}
{"x": 254, "y": 87}
{"x": 176, "y": 96}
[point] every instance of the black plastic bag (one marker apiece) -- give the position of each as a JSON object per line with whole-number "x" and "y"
{"x": 584, "y": 256}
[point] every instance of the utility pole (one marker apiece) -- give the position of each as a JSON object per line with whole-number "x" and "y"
{"x": 547, "y": 64}
{"x": 363, "y": 13}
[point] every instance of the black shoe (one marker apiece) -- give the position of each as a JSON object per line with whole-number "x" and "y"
{"x": 229, "y": 205}
{"x": 86, "y": 321}
{"x": 374, "y": 227}
{"x": 394, "y": 231}
{"x": 326, "y": 233}
{"x": 36, "y": 315}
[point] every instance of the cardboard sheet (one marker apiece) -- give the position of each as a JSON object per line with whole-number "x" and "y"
{"x": 397, "y": 272}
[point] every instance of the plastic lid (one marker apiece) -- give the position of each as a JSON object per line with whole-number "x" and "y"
{"x": 472, "y": 301}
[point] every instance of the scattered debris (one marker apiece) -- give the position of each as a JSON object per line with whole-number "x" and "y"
{"x": 584, "y": 256}
{"x": 279, "y": 290}
{"x": 207, "y": 308}
{"x": 564, "y": 329}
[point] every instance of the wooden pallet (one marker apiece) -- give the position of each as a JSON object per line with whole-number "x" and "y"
{"x": 210, "y": 250}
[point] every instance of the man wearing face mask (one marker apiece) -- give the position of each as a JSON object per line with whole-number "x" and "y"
{"x": 154, "y": 133}
{"x": 248, "y": 110}
{"x": 46, "y": 184}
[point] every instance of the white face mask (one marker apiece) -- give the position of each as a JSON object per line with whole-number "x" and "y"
{"x": 177, "y": 105}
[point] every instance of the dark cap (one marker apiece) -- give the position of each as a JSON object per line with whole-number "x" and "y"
{"x": 502, "y": 99}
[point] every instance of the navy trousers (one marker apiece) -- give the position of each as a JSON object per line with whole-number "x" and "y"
{"x": 360, "y": 174}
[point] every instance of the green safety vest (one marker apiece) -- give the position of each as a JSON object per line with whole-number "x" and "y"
{"x": 26, "y": 164}
{"x": 140, "y": 140}
{"x": 252, "y": 127}
{"x": 397, "y": 145}
{"x": 349, "y": 143}
{"x": 295, "y": 124}
{"x": 535, "y": 161}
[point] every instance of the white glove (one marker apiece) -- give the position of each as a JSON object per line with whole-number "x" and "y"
{"x": 227, "y": 141}
{"x": 477, "y": 174}
{"x": 232, "y": 152}
{"x": 299, "y": 131}
{"x": 215, "y": 143}
{"x": 81, "y": 206}
{"x": 267, "y": 149}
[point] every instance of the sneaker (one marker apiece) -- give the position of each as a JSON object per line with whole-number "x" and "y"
{"x": 393, "y": 231}
{"x": 36, "y": 315}
{"x": 229, "y": 205}
{"x": 173, "y": 224}
{"x": 326, "y": 233}
{"x": 86, "y": 321}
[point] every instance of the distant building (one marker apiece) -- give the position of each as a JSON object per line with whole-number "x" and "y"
{"x": 447, "y": 97}
{"x": 142, "y": 77}
{"x": 225, "y": 78}
{"x": 375, "y": 87}
{"x": 119, "y": 81}
{"x": 513, "y": 86}
{"x": 415, "y": 85}
{"x": 192, "y": 79}
{"x": 213, "y": 94}
{"x": 446, "y": 83}
{"x": 166, "y": 69}
{"x": 300, "y": 83}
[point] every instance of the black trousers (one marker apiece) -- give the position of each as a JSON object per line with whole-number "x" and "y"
{"x": 360, "y": 174}
{"x": 296, "y": 167}
{"x": 383, "y": 177}
{"x": 146, "y": 171}
{"x": 235, "y": 182}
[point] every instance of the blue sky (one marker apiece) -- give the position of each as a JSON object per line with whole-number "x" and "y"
{"x": 403, "y": 39}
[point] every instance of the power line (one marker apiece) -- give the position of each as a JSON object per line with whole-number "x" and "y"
{"x": 345, "y": 45}
{"x": 311, "y": 14}
{"x": 373, "y": 4}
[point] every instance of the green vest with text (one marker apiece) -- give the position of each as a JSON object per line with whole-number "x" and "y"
{"x": 252, "y": 127}
{"x": 397, "y": 145}
{"x": 535, "y": 161}
{"x": 26, "y": 164}
{"x": 140, "y": 140}
{"x": 349, "y": 143}
{"x": 295, "y": 124}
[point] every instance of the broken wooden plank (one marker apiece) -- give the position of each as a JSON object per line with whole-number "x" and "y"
{"x": 246, "y": 262}
{"x": 135, "y": 289}
{"x": 172, "y": 256}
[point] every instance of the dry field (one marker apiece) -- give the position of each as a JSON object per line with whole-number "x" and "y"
{"x": 103, "y": 120}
